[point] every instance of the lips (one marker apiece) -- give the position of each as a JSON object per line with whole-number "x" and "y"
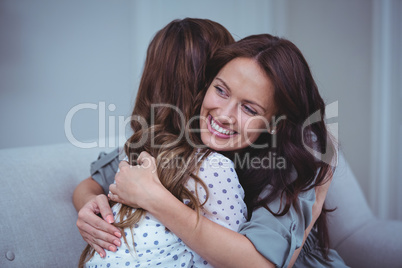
{"x": 215, "y": 128}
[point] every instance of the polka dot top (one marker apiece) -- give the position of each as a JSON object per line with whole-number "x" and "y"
{"x": 155, "y": 246}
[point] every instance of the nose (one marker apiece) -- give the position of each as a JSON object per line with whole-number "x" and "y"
{"x": 228, "y": 114}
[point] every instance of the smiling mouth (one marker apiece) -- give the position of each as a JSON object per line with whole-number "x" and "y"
{"x": 216, "y": 127}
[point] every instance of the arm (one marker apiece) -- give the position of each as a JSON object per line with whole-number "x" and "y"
{"x": 219, "y": 246}
{"x": 85, "y": 191}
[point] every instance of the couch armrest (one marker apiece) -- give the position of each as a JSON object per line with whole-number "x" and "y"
{"x": 360, "y": 238}
{"x": 376, "y": 244}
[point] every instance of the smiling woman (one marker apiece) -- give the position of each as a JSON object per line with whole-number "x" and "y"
{"x": 237, "y": 106}
{"x": 248, "y": 82}
{"x": 260, "y": 77}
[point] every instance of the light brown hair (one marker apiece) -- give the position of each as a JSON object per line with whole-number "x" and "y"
{"x": 174, "y": 72}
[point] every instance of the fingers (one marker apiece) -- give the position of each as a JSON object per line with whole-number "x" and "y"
{"x": 123, "y": 164}
{"x": 104, "y": 208}
{"x": 114, "y": 197}
{"x": 143, "y": 155}
{"x": 91, "y": 223}
{"x": 113, "y": 194}
{"x": 96, "y": 231}
{"x": 99, "y": 239}
{"x": 112, "y": 190}
{"x": 98, "y": 249}
{"x": 146, "y": 160}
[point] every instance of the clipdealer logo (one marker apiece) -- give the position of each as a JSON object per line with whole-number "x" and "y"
{"x": 332, "y": 112}
{"x": 101, "y": 107}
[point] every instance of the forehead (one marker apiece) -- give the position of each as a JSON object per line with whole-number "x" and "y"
{"x": 248, "y": 81}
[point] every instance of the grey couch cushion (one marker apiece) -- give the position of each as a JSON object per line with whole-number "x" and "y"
{"x": 37, "y": 223}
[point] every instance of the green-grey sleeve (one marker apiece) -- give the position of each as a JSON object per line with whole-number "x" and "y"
{"x": 276, "y": 238}
{"x": 104, "y": 169}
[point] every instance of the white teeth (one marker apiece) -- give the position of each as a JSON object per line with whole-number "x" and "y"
{"x": 220, "y": 129}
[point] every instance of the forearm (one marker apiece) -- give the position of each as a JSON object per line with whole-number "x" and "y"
{"x": 85, "y": 191}
{"x": 218, "y": 245}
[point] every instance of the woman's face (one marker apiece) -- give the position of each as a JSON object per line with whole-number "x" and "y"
{"x": 237, "y": 106}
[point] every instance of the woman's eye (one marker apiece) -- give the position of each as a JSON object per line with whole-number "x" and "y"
{"x": 220, "y": 91}
{"x": 249, "y": 110}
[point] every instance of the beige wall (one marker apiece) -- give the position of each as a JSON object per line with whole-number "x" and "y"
{"x": 336, "y": 39}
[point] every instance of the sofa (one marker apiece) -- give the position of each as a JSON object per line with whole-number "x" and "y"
{"x": 38, "y": 219}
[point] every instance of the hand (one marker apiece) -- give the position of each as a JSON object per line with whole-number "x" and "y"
{"x": 99, "y": 233}
{"x": 136, "y": 186}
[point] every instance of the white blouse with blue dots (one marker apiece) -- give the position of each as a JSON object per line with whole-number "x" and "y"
{"x": 155, "y": 246}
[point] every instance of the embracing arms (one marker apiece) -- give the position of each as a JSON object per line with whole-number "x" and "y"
{"x": 218, "y": 245}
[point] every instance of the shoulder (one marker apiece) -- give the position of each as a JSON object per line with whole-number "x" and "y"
{"x": 104, "y": 169}
{"x": 217, "y": 165}
{"x": 219, "y": 175}
{"x": 105, "y": 159}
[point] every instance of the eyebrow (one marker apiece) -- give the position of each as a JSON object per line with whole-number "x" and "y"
{"x": 248, "y": 101}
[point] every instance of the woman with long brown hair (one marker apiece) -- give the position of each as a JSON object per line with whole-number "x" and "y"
{"x": 248, "y": 82}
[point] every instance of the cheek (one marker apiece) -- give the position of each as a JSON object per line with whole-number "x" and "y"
{"x": 252, "y": 128}
{"x": 212, "y": 101}
{"x": 208, "y": 101}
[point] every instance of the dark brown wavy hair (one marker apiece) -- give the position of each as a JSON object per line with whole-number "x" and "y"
{"x": 174, "y": 72}
{"x": 296, "y": 96}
